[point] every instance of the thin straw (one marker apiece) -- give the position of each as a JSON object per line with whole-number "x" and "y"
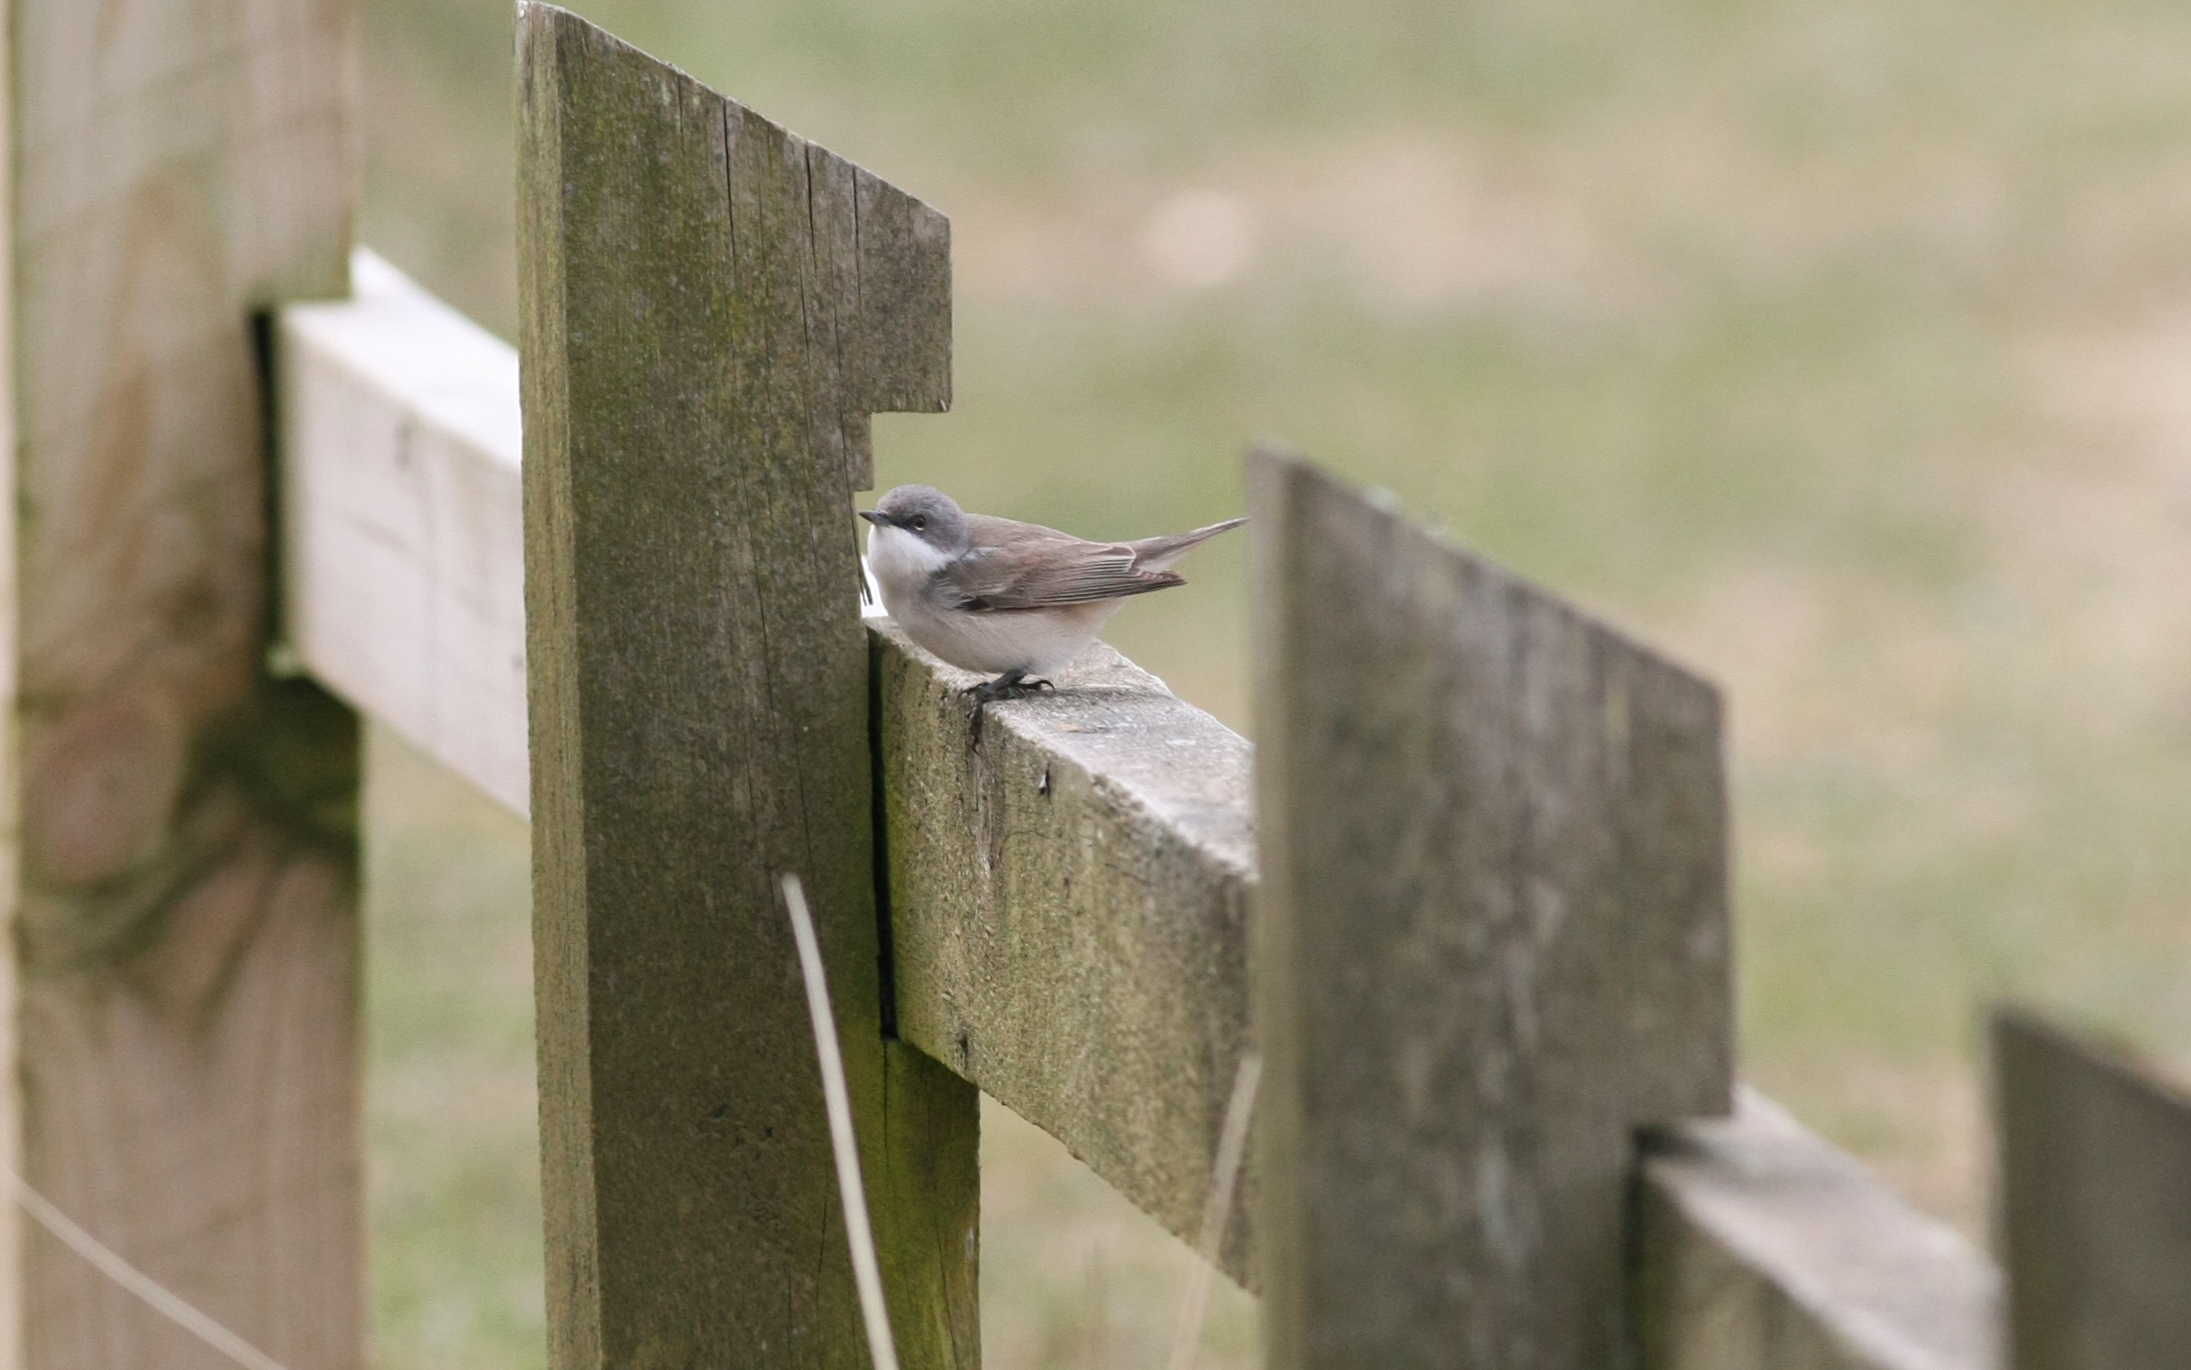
{"x": 1232, "y": 1146}
{"x": 866, "y": 1274}
{"x": 110, "y": 1264}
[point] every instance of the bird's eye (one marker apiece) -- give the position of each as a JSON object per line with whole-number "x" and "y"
{"x": 920, "y": 521}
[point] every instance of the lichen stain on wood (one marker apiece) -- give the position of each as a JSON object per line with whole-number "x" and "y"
{"x": 698, "y": 714}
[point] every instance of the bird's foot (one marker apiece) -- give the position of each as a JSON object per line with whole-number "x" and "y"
{"x": 1013, "y": 684}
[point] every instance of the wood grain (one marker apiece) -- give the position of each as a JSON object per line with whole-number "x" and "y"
{"x": 403, "y": 546}
{"x": 1491, "y": 939}
{"x": 699, "y": 722}
{"x": 187, "y": 1009}
{"x": 1763, "y": 1248}
{"x": 1070, "y": 878}
{"x": 2095, "y": 1207}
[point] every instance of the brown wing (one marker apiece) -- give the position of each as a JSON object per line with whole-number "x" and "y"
{"x": 1039, "y": 567}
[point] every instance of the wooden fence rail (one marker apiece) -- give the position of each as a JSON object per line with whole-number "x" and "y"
{"x": 1757, "y": 1244}
{"x": 613, "y": 585}
{"x": 402, "y": 531}
{"x": 1069, "y": 888}
{"x": 1066, "y": 883}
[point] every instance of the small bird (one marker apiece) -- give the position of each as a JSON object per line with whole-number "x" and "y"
{"x": 1003, "y": 597}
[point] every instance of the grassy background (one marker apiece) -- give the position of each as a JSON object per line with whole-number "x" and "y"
{"x": 1842, "y": 347}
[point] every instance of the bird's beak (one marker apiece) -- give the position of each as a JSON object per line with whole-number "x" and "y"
{"x": 872, "y": 517}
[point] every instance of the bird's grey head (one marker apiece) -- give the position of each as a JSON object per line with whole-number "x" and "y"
{"x": 926, "y": 513}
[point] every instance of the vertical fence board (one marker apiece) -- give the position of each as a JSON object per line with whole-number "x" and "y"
{"x": 1491, "y": 939}
{"x": 699, "y": 717}
{"x": 187, "y": 891}
{"x": 2095, "y": 1211}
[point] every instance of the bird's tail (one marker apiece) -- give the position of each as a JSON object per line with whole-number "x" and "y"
{"x": 1158, "y": 554}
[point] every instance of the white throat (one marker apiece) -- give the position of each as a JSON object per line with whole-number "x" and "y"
{"x": 901, "y": 563}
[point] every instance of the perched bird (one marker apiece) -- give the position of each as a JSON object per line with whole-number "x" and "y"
{"x": 1003, "y": 597}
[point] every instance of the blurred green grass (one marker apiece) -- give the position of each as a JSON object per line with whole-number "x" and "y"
{"x": 453, "y": 1167}
{"x": 1843, "y": 349}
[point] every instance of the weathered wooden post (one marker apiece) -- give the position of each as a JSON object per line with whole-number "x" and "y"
{"x": 2095, "y": 1205}
{"x": 711, "y": 310}
{"x": 186, "y": 889}
{"x": 1491, "y": 941}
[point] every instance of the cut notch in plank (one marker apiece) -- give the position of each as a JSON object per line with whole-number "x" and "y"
{"x": 698, "y": 691}
{"x": 1491, "y": 941}
{"x": 1070, "y": 882}
{"x": 403, "y": 534}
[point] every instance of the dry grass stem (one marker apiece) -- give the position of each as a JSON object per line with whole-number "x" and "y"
{"x": 866, "y": 1273}
{"x": 155, "y": 1295}
{"x": 1232, "y": 1146}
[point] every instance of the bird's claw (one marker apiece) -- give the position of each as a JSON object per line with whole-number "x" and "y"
{"x": 1010, "y": 685}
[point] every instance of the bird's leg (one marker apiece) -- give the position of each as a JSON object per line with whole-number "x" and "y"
{"x": 1006, "y": 686}
{"x": 1013, "y": 684}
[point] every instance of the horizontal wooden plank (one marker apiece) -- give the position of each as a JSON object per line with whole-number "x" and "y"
{"x": 1069, "y": 890}
{"x": 1764, "y": 1248}
{"x": 402, "y": 580}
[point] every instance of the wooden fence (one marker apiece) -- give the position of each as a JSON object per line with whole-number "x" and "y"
{"x": 614, "y": 584}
